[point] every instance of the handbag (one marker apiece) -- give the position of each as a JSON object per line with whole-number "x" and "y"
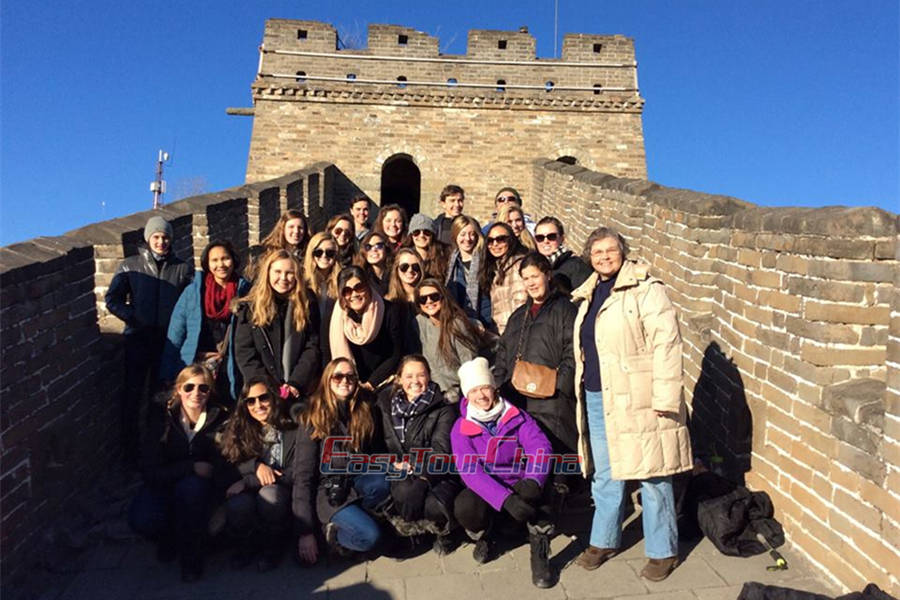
{"x": 528, "y": 378}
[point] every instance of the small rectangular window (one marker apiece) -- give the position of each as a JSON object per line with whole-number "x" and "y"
{"x": 302, "y": 34}
{"x": 402, "y": 39}
{"x": 501, "y": 44}
{"x": 598, "y": 48}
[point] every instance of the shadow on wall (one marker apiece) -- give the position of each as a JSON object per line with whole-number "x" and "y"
{"x": 721, "y": 424}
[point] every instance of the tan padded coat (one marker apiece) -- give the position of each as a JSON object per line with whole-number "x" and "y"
{"x": 640, "y": 354}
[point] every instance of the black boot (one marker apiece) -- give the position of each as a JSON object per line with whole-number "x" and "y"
{"x": 539, "y": 539}
{"x": 484, "y": 546}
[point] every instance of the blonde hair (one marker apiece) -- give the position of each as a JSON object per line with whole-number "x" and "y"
{"x": 317, "y": 283}
{"x": 322, "y": 414}
{"x": 459, "y": 223}
{"x": 262, "y": 299}
{"x": 190, "y": 372}
{"x": 525, "y": 237}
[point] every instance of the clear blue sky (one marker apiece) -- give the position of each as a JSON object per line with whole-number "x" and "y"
{"x": 778, "y": 102}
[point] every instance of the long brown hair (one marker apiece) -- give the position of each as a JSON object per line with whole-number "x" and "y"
{"x": 322, "y": 414}
{"x": 452, "y": 322}
{"x": 261, "y": 297}
{"x": 496, "y": 268}
{"x": 361, "y": 258}
{"x": 242, "y": 437}
{"x": 382, "y": 213}
{"x": 187, "y": 373}
{"x": 275, "y": 239}
{"x": 326, "y": 283}
{"x": 396, "y": 293}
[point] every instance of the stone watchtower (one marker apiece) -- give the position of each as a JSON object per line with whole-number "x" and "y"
{"x": 401, "y": 120}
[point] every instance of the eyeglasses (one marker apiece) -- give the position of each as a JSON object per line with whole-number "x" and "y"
{"x": 600, "y": 252}
{"x": 426, "y": 298}
{"x": 348, "y": 377}
{"x": 319, "y": 253}
{"x": 425, "y": 232}
{"x": 339, "y": 231}
{"x": 375, "y": 246}
{"x": 550, "y": 237}
{"x": 359, "y": 288}
{"x": 261, "y": 399}
{"x": 404, "y": 267}
{"x": 500, "y": 239}
{"x": 189, "y": 387}
{"x": 502, "y": 199}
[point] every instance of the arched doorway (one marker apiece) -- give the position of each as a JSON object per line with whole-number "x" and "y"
{"x": 569, "y": 160}
{"x": 401, "y": 183}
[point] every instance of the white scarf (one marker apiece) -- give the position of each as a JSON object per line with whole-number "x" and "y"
{"x": 486, "y": 416}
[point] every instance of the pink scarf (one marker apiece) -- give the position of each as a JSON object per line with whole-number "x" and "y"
{"x": 343, "y": 330}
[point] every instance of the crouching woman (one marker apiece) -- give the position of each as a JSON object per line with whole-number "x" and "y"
{"x": 503, "y": 458}
{"x": 338, "y": 422}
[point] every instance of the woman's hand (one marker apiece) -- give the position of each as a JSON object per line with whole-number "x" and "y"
{"x": 266, "y": 474}
{"x": 293, "y": 391}
{"x": 203, "y": 469}
{"x": 367, "y": 386}
{"x": 234, "y": 489}
{"x": 205, "y": 356}
{"x": 307, "y": 548}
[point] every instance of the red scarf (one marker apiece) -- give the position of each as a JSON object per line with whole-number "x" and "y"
{"x": 217, "y": 299}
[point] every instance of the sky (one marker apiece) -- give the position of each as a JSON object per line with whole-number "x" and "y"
{"x": 777, "y": 102}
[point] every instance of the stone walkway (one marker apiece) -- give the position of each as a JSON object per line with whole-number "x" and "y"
{"x": 127, "y": 570}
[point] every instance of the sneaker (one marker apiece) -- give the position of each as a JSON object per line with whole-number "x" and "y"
{"x": 484, "y": 549}
{"x": 658, "y": 569}
{"x": 443, "y": 545}
{"x": 593, "y": 557}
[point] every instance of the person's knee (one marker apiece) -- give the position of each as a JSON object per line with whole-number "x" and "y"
{"x": 435, "y": 511}
{"x": 273, "y": 502}
{"x": 192, "y": 489}
{"x": 373, "y": 489}
{"x": 147, "y": 515}
{"x": 470, "y": 511}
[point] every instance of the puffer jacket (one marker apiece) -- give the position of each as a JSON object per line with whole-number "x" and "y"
{"x": 640, "y": 354}
{"x": 490, "y": 465}
{"x": 569, "y": 272}
{"x": 507, "y": 294}
{"x": 143, "y": 294}
{"x": 548, "y": 342}
{"x": 183, "y": 334}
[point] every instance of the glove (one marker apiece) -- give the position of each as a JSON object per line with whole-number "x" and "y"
{"x": 518, "y": 508}
{"x": 528, "y": 489}
{"x": 409, "y": 496}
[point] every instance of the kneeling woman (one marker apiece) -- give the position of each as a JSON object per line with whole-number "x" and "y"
{"x": 183, "y": 471}
{"x": 415, "y": 416}
{"x": 502, "y": 456}
{"x": 337, "y": 423}
{"x": 260, "y": 440}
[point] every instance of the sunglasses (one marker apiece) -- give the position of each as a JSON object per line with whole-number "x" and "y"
{"x": 404, "y": 267}
{"x": 319, "y": 253}
{"x": 500, "y": 239}
{"x": 261, "y": 399}
{"x": 550, "y": 237}
{"x": 348, "y": 377}
{"x": 339, "y": 231}
{"x": 506, "y": 198}
{"x": 359, "y": 288}
{"x": 375, "y": 246}
{"x": 425, "y": 232}
{"x": 189, "y": 387}
{"x": 426, "y": 298}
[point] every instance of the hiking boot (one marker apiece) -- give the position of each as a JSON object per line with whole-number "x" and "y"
{"x": 658, "y": 569}
{"x": 331, "y": 531}
{"x": 443, "y": 545}
{"x": 539, "y": 540}
{"x": 484, "y": 550}
{"x": 593, "y": 557}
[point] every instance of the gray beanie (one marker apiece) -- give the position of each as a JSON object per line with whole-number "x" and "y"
{"x": 420, "y": 221}
{"x": 156, "y": 225}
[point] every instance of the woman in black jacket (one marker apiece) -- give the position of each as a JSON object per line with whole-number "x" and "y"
{"x": 277, "y": 331}
{"x": 339, "y": 424}
{"x": 184, "y": 473}
{"x": 415, "y": 417}
{"x": 366, "y": 329}
{"x": 540, "y": 331}
{"x": 259, "y": 439}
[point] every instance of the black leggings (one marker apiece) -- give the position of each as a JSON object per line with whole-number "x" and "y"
{"x": 475, "y": 515}
{"x": 433, "y": 510}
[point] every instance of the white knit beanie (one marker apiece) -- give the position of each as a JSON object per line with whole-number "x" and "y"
{"x": 474, "y": 373}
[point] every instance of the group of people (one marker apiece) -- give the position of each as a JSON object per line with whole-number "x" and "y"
{"x": 416, "y": 376}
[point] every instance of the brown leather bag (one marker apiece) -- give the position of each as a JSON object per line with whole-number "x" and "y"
{"x": 528, "y": 378}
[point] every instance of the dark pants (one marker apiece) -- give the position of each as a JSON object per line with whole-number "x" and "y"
{"x": 476, "y": 515}
{"x": 433, "y": 509}
{"x": 179, "y": 514}
{"x": 264, "y": 510}
{"x": 143, "y": 350}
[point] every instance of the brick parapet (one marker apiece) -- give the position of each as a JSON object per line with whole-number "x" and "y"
{"x": 792, "y": 344}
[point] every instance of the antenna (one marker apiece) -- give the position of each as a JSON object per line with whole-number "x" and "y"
{"x": 158, "y": 186}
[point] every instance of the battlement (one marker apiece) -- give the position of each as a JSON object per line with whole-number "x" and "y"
{"x": 307, "y": 54}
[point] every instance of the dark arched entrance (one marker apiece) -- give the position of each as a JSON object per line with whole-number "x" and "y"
{"x": 401, "y": 183}
{"x": 569, "y": 160}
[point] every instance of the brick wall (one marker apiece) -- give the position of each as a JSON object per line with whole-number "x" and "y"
{"x": 791, "y": 323}
{"x": 61, "y": 352}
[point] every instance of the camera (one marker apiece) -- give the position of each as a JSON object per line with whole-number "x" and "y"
{"x": 337, "y": 488}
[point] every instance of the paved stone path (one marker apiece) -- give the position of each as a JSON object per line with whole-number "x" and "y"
{"x": 127, "y": 570}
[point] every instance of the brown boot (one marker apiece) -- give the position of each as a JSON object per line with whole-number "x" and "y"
{"x": 593, "y": 557}
{"x": 658, "y": 569}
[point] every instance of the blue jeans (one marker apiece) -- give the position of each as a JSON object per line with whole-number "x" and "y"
{"x": 179, "y": 513}
{"x": 356, "y": 530}
{"x": 657, "y": 499}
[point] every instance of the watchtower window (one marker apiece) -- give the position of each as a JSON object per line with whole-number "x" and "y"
{"x": 548, "y": 86}
{"x": 597, "y": 88}
{"x": 501, "y": 44}
{"x": 302, "y": 34}
{"x": 501, "y": 85}
{"x": 351, "y": 76}
{"x": 401, "y": 81}
{"x": 598, "y": 48}
{"x": 452, "y": 82}
{"x": 402, "y": 39}
{"x": 301, "y": 76}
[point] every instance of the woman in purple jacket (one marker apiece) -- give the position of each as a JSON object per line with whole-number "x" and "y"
{"x": 504, "y": 460}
